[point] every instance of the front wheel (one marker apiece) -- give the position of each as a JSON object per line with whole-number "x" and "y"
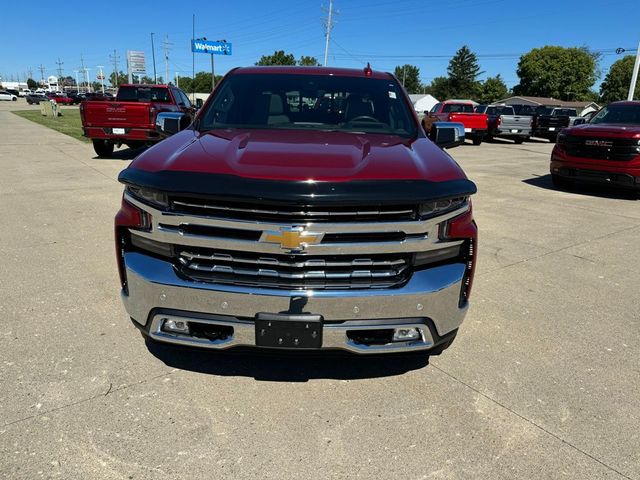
{"x": 103, "y": 148}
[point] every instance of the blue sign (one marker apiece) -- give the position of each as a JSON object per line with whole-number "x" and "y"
{"x": 207, "y": 46}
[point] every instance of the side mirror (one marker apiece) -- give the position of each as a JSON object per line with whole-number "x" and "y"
{"x": 199, "y": 103}
{"x": 168, "y": 123}
{"x": 447, "y": 134}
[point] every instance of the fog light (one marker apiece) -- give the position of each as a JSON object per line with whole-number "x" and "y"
{"x": 175, "y": 326}
{"x": 405, "y": 334}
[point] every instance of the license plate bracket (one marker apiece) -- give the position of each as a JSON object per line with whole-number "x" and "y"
{"x": 278, "y": 330}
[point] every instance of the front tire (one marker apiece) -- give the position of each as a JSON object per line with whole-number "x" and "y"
{"x": 477, "y": 140}
{"x": 103, "y": 148}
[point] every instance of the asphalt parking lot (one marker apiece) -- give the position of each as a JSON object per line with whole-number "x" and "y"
{"x": 542, "y": 381}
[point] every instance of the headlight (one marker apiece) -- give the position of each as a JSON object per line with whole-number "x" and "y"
{"x": 438, "y": 207}
{"x": 151, "y": 197}
{"x": 561, "y": 139}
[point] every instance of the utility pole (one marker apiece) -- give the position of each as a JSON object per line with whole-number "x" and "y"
{"x": 41, "y": 75}
{"x": 329, "y": 27}
{"x": 153, "y": 54}
{"x": 30, "y": 72}
{"x": 114, "y": 58}
{"x": 84, "y": 71}
{"x": 167, "y": 47}
{"x": 178, "y": 79}
{"x": 59, "y": 63}
{"x": 77, "y": 82}
{"x": 101, "y": 76}
{"x": 634, "y": 76}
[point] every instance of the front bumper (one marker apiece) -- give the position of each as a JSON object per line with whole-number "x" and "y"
{"x": 596, "y": 172}
{"x": 428, "y": 302}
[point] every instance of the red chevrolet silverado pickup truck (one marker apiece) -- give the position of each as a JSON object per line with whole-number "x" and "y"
{"x": 272, "y": 223}
{"x": 130, "y": 119}
{"x": 475, "y": 124}
{"x": 604, "y": 151}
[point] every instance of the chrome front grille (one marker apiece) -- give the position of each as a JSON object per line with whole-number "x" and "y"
{"x": 232, "y": 246}
{"x": 290, "y": 213}
{"x": 294, "y": 271}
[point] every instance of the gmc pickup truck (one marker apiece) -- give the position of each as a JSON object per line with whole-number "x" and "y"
{"x": 475, "y": 124}
{"x": 130, "y": 119}
{"x": 504, "y": 123}
{"x": 267, "y": 224}
{"x": 605, "y": 151}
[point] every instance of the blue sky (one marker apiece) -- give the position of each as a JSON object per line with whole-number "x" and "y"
{"x": 386, "y": 33}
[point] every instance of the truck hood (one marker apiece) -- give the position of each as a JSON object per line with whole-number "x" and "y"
{"x": 300, "y": 156}
{"x": 606, "y": 129}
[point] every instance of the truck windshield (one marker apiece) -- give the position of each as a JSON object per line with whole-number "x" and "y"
{"x": 565, "y": 111}
{"x": 618, "y": 114}
{"x": 457, "y": 107}
{"x": 143, "y": 94}
{"x": 309, "y": 102}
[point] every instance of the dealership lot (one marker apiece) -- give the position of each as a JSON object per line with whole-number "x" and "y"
{"x": 542, "y": 381}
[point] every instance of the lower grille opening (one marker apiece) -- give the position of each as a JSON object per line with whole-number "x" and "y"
{"x": 210, "y": 332}
{"x": 371, "y": 337}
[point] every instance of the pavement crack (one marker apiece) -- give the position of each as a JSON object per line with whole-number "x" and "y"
{"x": 534, "y": 424}
{"x": 88, "y": 399}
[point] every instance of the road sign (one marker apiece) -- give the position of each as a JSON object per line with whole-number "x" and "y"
{"x": 214, "y": 48}
{"x": 135, "y": 60}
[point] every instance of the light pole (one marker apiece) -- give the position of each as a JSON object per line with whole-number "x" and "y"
{"x": 634, "y": 75}
{"x": 86, "y": 76}
{"x": 101, "y": 77}
{"x": 77, "y": 81}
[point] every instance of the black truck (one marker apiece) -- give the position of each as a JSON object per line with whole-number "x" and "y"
{"x": 548, "y": 121}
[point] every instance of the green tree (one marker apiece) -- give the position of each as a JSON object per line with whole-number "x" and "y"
{"x": 278, "y": 58}
{"x": 558, "y": 72}
{"x": 616, "y": 84}
{"x": 308, "y": 61}
{"x": 463, "y": 73}
{"x": 440, "y": 88}
{"x": 32, "y": 84}
{"x": 492, "y": 89}
{"x": 122, "y": 78}
{"x": 409, "y": 76}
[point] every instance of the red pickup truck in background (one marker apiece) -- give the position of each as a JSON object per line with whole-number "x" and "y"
{"x": 130, "y": 119}
{"x": 475, "y": 124}
{"x": 605, "y": 151}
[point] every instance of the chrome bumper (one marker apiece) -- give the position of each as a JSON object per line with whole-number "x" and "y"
{"x": 155, "y": 292}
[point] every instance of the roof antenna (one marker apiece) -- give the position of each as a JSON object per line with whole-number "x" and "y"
{"x": 367, "y": 70}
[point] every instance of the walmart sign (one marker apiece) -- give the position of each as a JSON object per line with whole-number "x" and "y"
{"x": 207, "y": 46}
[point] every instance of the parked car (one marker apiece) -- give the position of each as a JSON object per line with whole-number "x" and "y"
{"x": 550, "y": 120}
{"x": 504, "y": 123}
{"x": 131, "y": 118}
{"x": 475, "y": 124}
{"x": 35, "y": 99}
{"x": 604, "y": 151}
{"x": 75, "y": 97}
{"x": 270, "y": 226}
{"x": 24, "y": 93}
{"x": 4, "y": 95}
{"x": 60, "y": 98}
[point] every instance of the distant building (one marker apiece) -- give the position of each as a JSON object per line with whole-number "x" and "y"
{"x": 582, "y": 107}
{"x": 422, "y": 103}
{"x": 14, "y": 86}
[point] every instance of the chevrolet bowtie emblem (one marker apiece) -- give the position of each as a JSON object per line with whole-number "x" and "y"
{"x": 292, "y": 238}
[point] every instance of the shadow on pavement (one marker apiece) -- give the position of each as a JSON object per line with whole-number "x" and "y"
{"x": 544, "y": 181}
{"x": 279, "y": 366}
{"x": 123, "y": 154}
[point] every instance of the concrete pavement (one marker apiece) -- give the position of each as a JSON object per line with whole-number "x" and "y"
{"x": 542, "y": 381}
